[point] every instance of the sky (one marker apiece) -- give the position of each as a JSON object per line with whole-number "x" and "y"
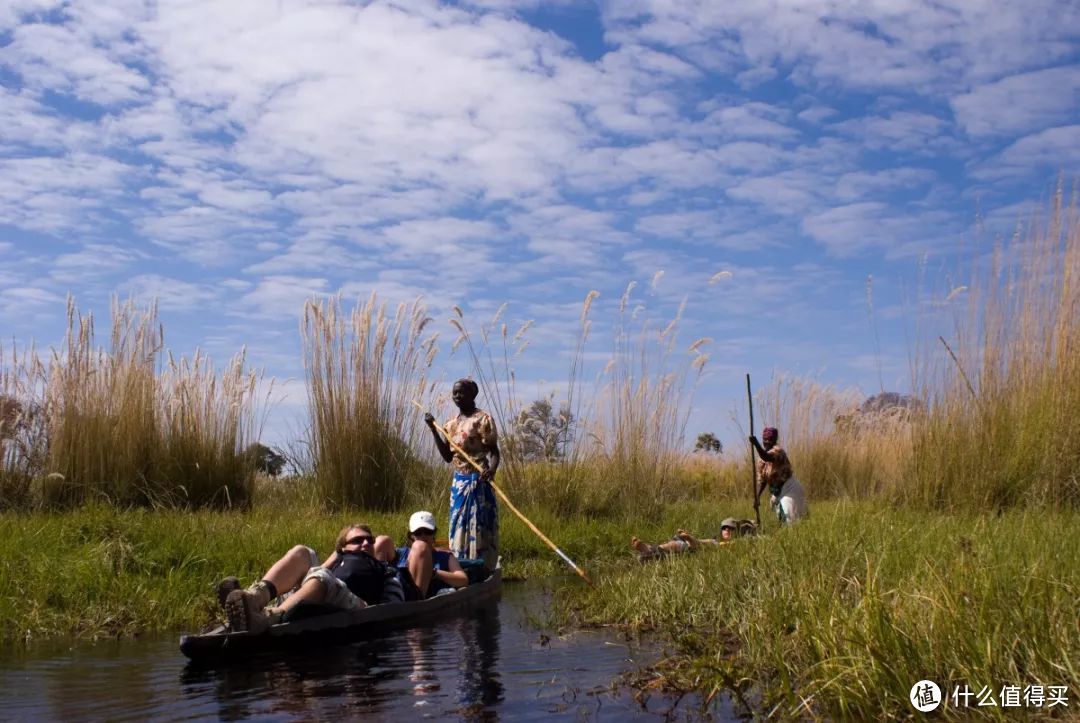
{"x": 758, "y": 162}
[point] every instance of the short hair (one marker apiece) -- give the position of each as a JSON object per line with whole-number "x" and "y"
{"x": 469, "y": 384}
{"x": 340, "y": 544}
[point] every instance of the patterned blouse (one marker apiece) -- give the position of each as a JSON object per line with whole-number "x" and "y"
{"x": 475, "y": 434}
{"x": 775, "y": 474}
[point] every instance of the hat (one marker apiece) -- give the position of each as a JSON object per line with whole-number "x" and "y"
{"x": 422, "y": 520}
{"x": 730, "y": 522}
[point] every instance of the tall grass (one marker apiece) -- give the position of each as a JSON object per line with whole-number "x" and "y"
{"x": 1005, "y": 387}
{"x": 103, "y": 425}
{"x": 364, "y": 371}
{"x": 626, "y": 448}
{"x": 836, "y": 449}
{"x": 841, "y": 616}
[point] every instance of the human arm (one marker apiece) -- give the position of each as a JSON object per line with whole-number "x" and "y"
{"x": 491, "y": 449}
{"x": 442, "y": 445}
{"x": 493, "y": 463}
{"x": 455, "y": 576}
{"x": 768, "y": 457}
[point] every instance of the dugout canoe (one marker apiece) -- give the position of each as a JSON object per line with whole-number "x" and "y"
{"x": 341, "y": 626}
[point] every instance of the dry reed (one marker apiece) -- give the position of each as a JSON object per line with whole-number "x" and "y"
{"x": 101, "y": 425}
{"x": 364, "y": 370}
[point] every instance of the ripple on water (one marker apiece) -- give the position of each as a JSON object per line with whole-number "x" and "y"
{"x": 487, "y": 663}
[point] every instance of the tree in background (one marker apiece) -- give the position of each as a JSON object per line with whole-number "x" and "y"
{"x": 707, "y": 442}
{"x": 266, "y": 460}
{"x": 540, "y": 433}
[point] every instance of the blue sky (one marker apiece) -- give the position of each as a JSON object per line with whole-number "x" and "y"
{"x": 234, "y": 159}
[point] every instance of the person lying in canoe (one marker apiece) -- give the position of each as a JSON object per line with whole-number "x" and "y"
{"x": 425, "y": 571}
{"x": 356, "y": 575}
{"x": 685, "y": 542}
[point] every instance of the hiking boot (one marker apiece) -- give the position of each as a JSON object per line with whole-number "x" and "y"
{"x": 243, "y": 608}
{"x": 225, "y": 587}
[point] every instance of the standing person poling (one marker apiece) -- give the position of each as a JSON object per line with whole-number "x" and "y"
{"x": 774, "y": 471}
{"x": 474, "y": 522}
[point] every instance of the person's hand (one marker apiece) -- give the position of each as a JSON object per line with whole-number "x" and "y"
{"x": 429, "y": 419}
{"x": 753, "y": 441}
{"x": 772, "y": 500}
{"x": 486, "y": 475}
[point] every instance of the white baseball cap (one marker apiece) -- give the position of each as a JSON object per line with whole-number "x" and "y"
{"x": 422, "y": 520}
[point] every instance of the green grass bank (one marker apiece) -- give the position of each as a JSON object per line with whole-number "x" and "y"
{"x": 840, "y": 616}
{"x": 837, "y": 617}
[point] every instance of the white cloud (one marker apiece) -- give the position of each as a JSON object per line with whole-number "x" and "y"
{"x": 1052, "y": 149}
{"x": 1021, "y": 103}
{"x": 91, "y": 262}
{"x": 283, "y": 296}
{"x": 933, "y": 46}
{"x": 171, "y": 294}
{"x": 900, "y": 131}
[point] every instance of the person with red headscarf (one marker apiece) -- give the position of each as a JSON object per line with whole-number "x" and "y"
{"x": 774, "y": 471}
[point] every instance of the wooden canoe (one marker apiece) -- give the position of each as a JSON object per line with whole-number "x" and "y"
{"x": 343, "y": 625}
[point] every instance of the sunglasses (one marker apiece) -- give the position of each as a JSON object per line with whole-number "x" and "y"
{"x": 423, "y": 531}
{"x": 360, "y": 540}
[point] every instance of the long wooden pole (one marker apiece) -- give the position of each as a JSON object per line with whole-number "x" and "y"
{"x": 753, "y": 458}
{"x": 515, "y": 510}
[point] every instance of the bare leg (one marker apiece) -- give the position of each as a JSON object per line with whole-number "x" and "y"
{"x": 289, "y": 571}
{"x": 694, "y": 542}
{"x": 313, "y": 591}
{"x": 384, "y": 549}
{"x": 689, "y": 539}
{"x": 421, "y": 565}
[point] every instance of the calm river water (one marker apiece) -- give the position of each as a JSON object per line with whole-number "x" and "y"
{"x": 491, "y": 664}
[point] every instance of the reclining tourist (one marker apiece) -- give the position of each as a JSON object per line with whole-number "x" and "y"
{"x": 683, "y": 541}
{"x": 356, "y": 575}
{"x": 424, "y": 570}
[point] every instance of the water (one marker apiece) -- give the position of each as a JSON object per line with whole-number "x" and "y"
{"x": 489, "y": 664}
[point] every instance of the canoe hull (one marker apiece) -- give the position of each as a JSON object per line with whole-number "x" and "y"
{"x": 347, "y": 625}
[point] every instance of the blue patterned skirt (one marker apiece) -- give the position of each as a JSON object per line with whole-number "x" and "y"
{"x": 474, "y": 519}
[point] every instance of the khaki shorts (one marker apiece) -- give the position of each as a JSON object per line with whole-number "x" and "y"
{"x": 338, "y": 594}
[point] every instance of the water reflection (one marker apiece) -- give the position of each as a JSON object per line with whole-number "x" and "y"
{"x": 487, "y": 664}
{"x": 448, "y": 666}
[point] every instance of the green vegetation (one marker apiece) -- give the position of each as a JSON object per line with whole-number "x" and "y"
{"x": 841, "y": 616}
{"x": 98, "y": 425}
{"x": 364, "y": 371}
{"x": 943, "y": 543}
{"x": 95, "y": 571}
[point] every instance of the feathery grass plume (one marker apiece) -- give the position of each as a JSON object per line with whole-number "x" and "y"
{"x": 101, "y": 406}
{"x": 719, "y": 276}
{"x": 639, "y": 418}
{"x": 364, "y": 370}
{"x": 116, "y": 431}
{"x": 1015, "y": 441}
{"x": 955, "y": 292}
{"x": 23, "y": 443}
{"x": 656, "y": 280}
{"x": 207, "y": 421}
{"x": 837, "y": 449}
{"x": 626, "y": 296}
{"x": 522, "y": 330}
{"x": 491, "y": 360}
{"x": 699, "y": 343}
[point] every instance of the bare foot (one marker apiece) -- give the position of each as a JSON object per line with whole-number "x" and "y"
{"x": 689, "y": 539}
{"x": 641, "y": 548}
